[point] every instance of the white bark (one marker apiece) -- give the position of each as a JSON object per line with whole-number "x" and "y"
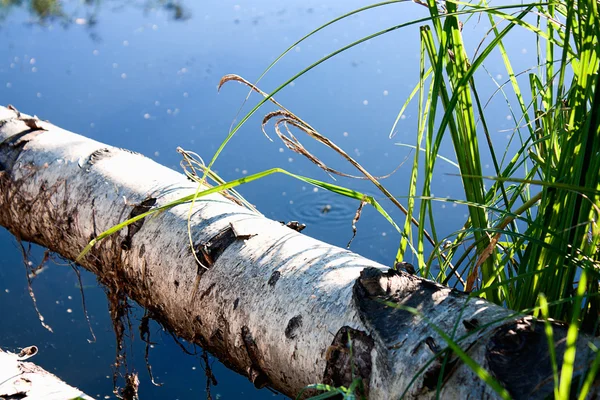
{"x": 275, "y": 305}
{"x": 25, "y": 380}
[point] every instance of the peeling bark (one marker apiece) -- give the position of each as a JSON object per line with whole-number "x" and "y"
{"x": 282, "y": 308}
{"x": 25, "y": 380}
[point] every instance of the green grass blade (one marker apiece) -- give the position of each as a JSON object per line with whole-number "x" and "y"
{"x": 327, "y": 57}
{"x": 412, "y": 94}
{"x": 567, "y": 370}
{"x": 591, "y": 376}
{"x": 423, "y": 150}
{"x": 550, "y": 339}
{"x": 226, "y": 186}
{"x": 464, "y": 357}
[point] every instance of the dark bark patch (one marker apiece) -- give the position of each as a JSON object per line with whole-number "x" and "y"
{"x": 258, "y": 378}
{"x": 431, "y": 377}
{"x": 291, "y": 330}
{"x": 405, "y": 266}
{"x": 416, "y": 349}
{"x": 369, "y": 282}
{"x": 11, "y": 148}
{"x": 96, "y": 156}
{"x": 236, "y": 302}
{"x": 457, "y": 293}
{"x": 176, "y": 283}
{"x": 208, "y": 291}
{"x": 274, "y": 278}
{"x": 134, "y": 227}
{"x": 15, "y": 396}
{"x": 32, "y": 123}
{"x": 130, "y": 151}
{"x": 370, "y": 293}
{"x": 349, "y": 357}
{"x": 295, "y": 225}
{"x": 14, "y": 109}
{"x": 254, "y": 371}
{"x": 209, "y": 252}
{"x": 283, "y": 377}
{"x": 471, "y": 324}
{"x": 433, "y": 346}
{"x": 381, "y": 295}
{"x": 5, "y": 121}
{"x": 518, "y": 356}
{"x": 217, "y": 339}
{"x": 437, "y": 372}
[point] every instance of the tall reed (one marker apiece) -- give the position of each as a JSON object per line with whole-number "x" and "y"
{"x": 557, "y": 203}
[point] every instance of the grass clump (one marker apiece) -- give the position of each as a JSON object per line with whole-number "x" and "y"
{"x": 534, "y": 230}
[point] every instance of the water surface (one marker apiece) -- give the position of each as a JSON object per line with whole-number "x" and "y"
{"x": 143, "y": 76}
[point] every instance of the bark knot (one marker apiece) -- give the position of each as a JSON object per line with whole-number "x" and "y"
{"x": 518, "y": 356}
{"x": 349, "y": 358}
{"x": 274, "y": 278}
{"x": 291, "y": 330}
{"x": 134, "y": 227}
{"x": 255, "y": 372}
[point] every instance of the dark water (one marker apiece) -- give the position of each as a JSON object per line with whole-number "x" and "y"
{"x": 143, "y": 76}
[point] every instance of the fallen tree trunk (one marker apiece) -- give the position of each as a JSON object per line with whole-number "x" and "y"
{"x": 275, "y": 305}
{"x": 25, "y": 380}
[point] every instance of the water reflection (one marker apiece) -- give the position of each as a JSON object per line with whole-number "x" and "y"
{"x": 86, "y": 12}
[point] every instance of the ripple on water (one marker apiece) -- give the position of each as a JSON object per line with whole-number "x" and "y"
{"x": 323, "y": 208}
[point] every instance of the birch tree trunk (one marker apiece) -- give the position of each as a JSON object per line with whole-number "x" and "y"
{"x": 274, "y": 305}
{"x": 25, "y": 380}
